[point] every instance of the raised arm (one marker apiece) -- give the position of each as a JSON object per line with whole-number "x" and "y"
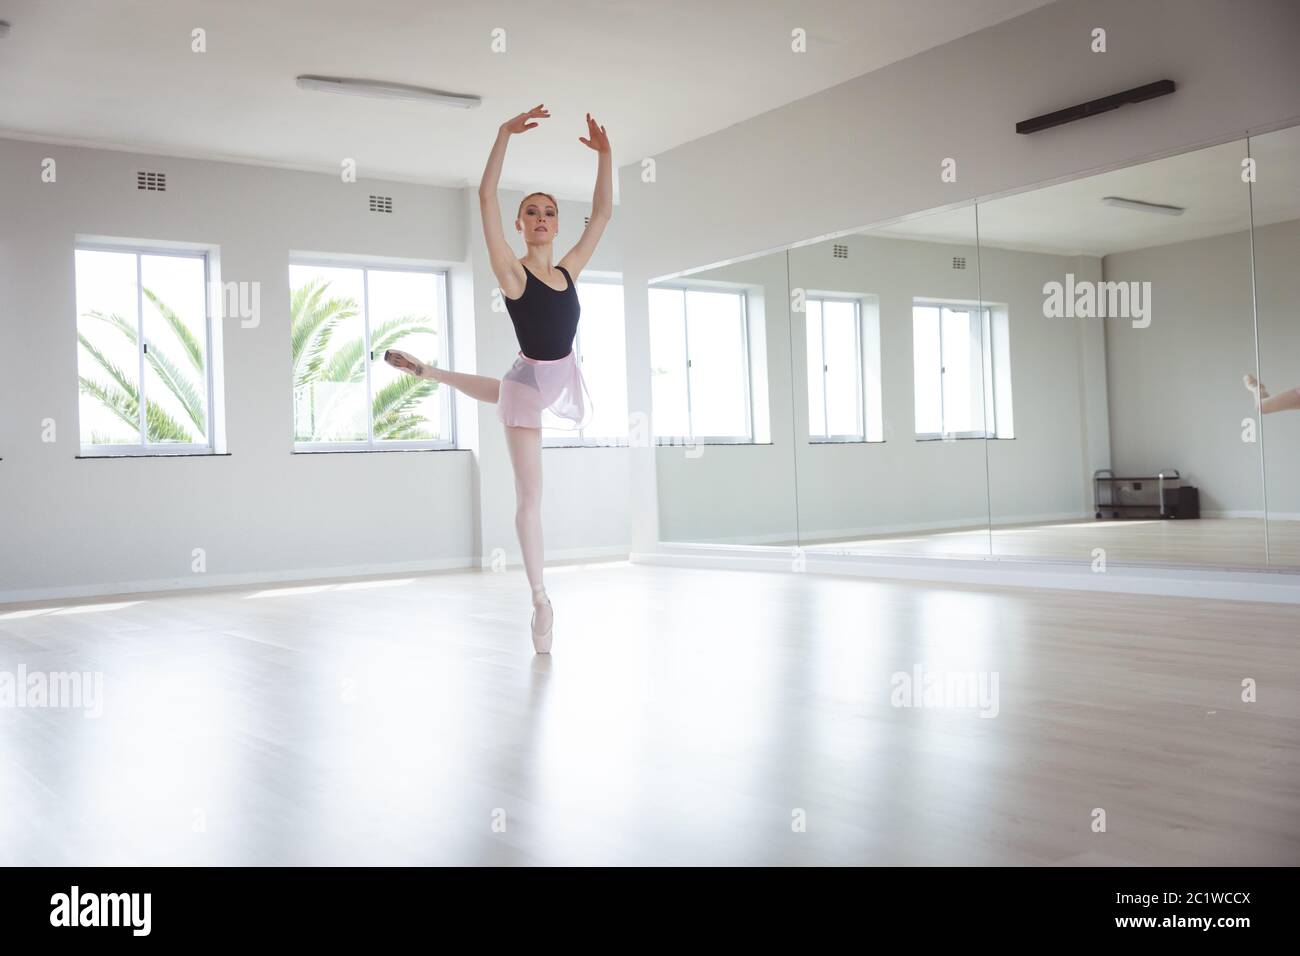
{"x": 602, "y": 201}
{"x": 510, "y": 274}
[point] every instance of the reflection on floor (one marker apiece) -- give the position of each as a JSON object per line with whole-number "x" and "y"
{"x": 686, "y": 716}
{"x": 1208, "y": 541}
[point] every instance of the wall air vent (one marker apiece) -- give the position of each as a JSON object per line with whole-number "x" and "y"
{"x": 381, "y": 203}
{"x": 151, "y": 182}
{"x": 839, "y": 251}
{"x": 959, "y": 262}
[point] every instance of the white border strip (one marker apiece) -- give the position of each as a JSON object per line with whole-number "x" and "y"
{"x": 196, "y": 582}
{"x": 1276, "y": 587}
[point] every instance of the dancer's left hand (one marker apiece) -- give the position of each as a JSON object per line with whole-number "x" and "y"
{"x": 595, "y": 137}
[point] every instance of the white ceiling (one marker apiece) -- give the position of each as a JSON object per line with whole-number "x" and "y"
{"x": 656, "y": 73}
{"x": 1070, "y": 218}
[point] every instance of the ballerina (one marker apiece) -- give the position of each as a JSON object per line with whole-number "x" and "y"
{"x": 544, "y": 386}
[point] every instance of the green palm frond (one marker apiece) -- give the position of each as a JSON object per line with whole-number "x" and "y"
{"x": 304, "y": 301}
{"x": 124, "y": 406}
{"x": 115, "y": 320}
{"x": 313, "y": 322}
{"x": 395, "y": 330}
{"x": 405, "y": 428}
{"x": 161, "y": 427}
{"x": 396, "y": 399}
{"x": 122, "y": 396}
{"x": 115, "y": 373}
{"x": 179, "y": 385}
{"x": 348, "y": 364}
{"x": 193, "y": 348}
{"x": 345, "y": 365}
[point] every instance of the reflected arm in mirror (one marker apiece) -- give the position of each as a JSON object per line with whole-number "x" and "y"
{"x": 1268, "y": 404}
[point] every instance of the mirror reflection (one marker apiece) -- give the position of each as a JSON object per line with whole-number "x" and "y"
{"x": 720, "y": 384}
{"x": 1275, "y": 197}
{"x": 900, "y": 374}
{"x": 1071, "y": 373}
{"x": 1129, "y": 295}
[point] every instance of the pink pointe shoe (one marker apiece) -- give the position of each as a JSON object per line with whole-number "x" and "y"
{"x": 541, "y": 641}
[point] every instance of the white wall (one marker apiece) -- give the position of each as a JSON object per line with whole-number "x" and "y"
{"x": 870, "y": 149}
{"x": 75, "y": 526}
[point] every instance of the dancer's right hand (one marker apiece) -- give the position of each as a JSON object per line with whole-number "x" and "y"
{"x": 520, "y": 123}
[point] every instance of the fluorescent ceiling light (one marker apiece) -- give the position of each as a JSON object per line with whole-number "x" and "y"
{"x": 1143, "y": 206}
{"x": 387, "y": 91}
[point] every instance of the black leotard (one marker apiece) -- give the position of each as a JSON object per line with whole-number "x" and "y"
{"x": 545, "y": 319}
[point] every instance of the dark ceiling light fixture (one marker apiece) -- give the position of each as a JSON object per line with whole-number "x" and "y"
{"x": 1141, "y": 206}
{"x": 387, "y": 91}
{"x": 1093, "y": 107}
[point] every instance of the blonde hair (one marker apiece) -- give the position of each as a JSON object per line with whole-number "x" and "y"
{"x": 520, "y": 214}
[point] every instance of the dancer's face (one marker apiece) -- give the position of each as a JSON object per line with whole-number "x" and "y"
{"x": 538, "y": 221}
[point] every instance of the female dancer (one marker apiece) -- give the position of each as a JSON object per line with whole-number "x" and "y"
{"x": 544, "y": 386}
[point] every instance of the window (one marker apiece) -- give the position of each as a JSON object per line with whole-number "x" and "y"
{"x": 345, "y": 396}
{"x": 843, "y": 369}
{"x": 144, "y": 346}
{"x": 961, "y": 373}
{"x": 699, "y": 365}
{"x": 601, "y": 349}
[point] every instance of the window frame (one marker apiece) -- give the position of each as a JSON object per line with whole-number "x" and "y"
{"x": 144, "y": 448}
{"x": 988, "y": 381}
{"x": 861, "y": 435}
{"x": 580, "y": 440}
{"x": 366, "y": 265}
{"x": 748, "y": 386}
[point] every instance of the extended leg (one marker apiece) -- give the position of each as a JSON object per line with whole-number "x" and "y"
{"x": 525, "y": 445}
{"x": 482, "y": 387}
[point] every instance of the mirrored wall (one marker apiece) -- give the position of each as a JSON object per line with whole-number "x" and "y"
{"x": 1128, "y": 297}
{"x": 890, "y": 392}
{"x": 721, "y": 392}
{"x": 1275, "y": 198}
{"x": 1069, "y": 373}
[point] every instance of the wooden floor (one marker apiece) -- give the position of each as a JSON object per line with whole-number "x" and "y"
{"x": 685, "y": 717}
{"x": 1218, "y": 542}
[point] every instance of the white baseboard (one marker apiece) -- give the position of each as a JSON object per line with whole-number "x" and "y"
{"x": 950, "y": 524}
{"x": 290, "y": 576}
{"x": 515, "y": 560}
{"x": 868, "y": 531}
{"x": 1279, "y": 587}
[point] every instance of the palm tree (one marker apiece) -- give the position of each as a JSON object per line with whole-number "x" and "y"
{"x": 314, "y": 320}
{"x": 121, "y": 396}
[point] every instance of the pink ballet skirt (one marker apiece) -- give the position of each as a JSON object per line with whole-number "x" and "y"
{"x": 536, "y": 393}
